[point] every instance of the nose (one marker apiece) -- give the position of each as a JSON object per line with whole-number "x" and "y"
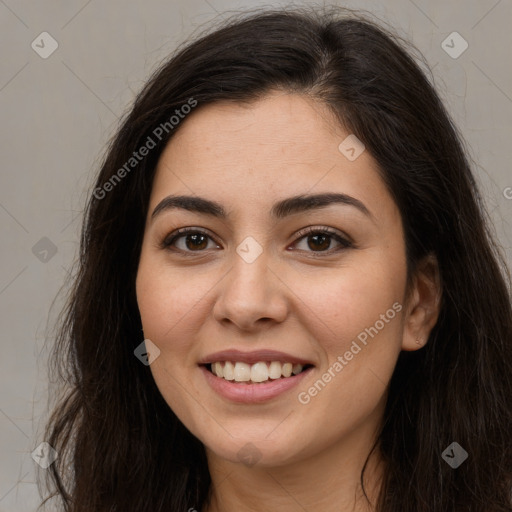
{"x": 251, "y": 295}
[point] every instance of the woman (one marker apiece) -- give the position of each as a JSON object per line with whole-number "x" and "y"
{"x": 288, "y": 297}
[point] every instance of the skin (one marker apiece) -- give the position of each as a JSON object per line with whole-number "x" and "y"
{"x": 247, "y": 157}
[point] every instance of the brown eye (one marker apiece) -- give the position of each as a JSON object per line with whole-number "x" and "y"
{"x": 320, "y": 240}
{"x": 317, "y": 240}
{"x": 194, "y": 240}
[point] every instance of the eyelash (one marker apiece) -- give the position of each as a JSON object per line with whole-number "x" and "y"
{"x": 170, "y": 239}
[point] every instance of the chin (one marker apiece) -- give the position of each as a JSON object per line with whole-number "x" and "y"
{"x": 255, "y": 451}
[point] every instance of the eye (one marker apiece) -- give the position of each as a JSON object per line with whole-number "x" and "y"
{"x": 319, "y": 239}
{"x": 194, "y": 240}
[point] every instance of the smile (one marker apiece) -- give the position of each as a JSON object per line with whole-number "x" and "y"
{"x": 252, "y": 377}
{"x": 262, "y": 371}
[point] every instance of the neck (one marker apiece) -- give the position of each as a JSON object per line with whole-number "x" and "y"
{"x": 328, "y": 481}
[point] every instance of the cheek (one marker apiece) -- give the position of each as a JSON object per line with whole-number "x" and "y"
{"x": 165, "y": 298}
{"x": 166, "y": 305}
{"x": 357, "y": 323}
{"x": 349, "y": 300}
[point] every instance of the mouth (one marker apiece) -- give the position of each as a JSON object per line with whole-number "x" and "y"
{"x": 238, "y": 372}
{"x": 253, "y": 377}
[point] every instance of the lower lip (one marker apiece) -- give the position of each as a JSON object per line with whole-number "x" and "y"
{"x": 252, "y": 393}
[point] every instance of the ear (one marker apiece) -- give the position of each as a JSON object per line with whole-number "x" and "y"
{"x": 423, "y": 306}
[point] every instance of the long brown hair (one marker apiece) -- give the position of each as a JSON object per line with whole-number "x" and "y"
{"x": 121, "y": 448}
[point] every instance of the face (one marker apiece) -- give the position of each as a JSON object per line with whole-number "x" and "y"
{"x": 309, "y": 283}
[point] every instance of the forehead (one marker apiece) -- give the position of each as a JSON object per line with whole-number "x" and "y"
{"x": 279, "y": 146}
{"x": 290, "y": 125}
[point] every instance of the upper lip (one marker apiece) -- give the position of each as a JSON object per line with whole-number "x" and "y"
{"x": 253, "y": 357}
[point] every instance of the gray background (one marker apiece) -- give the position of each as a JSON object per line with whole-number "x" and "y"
{"x": 58, "y": 113}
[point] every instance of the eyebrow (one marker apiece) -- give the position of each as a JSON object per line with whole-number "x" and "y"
{"x": 280, "y": 210}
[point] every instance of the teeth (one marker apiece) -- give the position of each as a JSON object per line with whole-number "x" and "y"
{"x": 242, "y": 372}
{"x": 217, "y": 369}
{"x": 258, "y": 372}
{"x": 274, "y": 371}
{"x": 286, "y": 369}
{"x": 229, "y": 371}
{"x": 297, "y": 368}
